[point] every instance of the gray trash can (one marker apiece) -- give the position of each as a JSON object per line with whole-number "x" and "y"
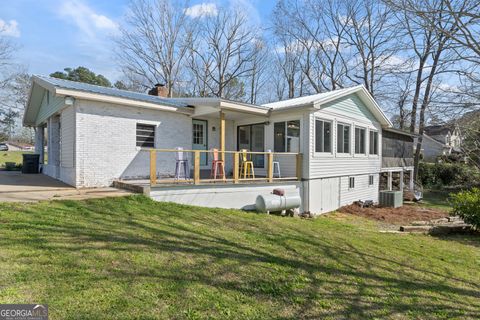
{"x": 31, "y": 163}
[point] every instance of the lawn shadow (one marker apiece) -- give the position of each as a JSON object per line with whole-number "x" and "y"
{"x": 287, "y": 267}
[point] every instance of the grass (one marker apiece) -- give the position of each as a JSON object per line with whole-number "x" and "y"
{"x": 435, "y": 199}
{"x": 132, "y": 258}
{"x": 11, "y": 156}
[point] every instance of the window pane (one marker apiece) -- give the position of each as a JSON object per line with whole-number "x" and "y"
{"x": 343, "y": 138}
{"x": 258, "y": 138}
{"x": 293, "y": 136}
{"x": 363, "y": 140}
{"x": 346, "y": 139}
{"x": 279, "y": 137}
{"x": 359, "y": 140}
{"x": 340, "y": 133}
{"x": 318, "y": 136}
{"x": 327, "y": 137}
{"x": 373, "y": 142}
{"x": 244, "y": 137}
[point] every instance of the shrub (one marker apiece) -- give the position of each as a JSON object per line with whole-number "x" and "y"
{"x": 466, "y": 204}
{"x": 447, "y": 174}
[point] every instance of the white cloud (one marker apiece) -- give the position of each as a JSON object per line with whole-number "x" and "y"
{"x": 9, "y": 28}
{"x": 202, "y": 10}
{"x": 85, "y": 18}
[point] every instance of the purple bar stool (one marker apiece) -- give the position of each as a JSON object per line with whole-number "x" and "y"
{"x": 181, "y": 163}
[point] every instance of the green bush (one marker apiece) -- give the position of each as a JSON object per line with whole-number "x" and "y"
{"x": 466, "y": 204}
{"x": 447, "y": 174}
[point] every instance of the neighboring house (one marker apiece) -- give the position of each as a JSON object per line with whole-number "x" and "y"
{"x": 330, "y": 143}
{"x": 441, "y": 140}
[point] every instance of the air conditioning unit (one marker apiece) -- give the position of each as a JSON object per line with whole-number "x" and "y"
{"x": 392, "y": 199}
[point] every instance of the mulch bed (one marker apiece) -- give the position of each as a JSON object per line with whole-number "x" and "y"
{"x": 398, "y": 216}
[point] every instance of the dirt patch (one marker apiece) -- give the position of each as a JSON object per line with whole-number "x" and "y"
{"x": 398, "y": 216}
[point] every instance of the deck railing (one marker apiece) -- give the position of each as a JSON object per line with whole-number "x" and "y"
{"x": 264, "y": 173}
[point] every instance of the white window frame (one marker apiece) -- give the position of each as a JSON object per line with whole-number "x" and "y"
{"x": 155, "y": 130}
{"x": 372, "y": 178}
{"x": 365, "y": 153}
{"x": 332, "y": 125}
{"x": 350, "y": 184}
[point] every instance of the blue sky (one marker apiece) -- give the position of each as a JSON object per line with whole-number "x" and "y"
{"x": 54, "y": 34}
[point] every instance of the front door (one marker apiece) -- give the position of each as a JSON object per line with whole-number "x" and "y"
{"x": 199, "y": 131}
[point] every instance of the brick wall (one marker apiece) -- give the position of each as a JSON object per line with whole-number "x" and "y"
{"x": 106, "y": 142}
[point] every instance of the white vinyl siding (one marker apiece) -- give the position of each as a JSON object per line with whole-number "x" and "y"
{"x": 50, "y": 105}
{"x": 352, "y": 112}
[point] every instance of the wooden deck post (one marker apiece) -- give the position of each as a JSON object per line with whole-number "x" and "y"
{"x": 270, "y": 167}
{"x": 196, "y": 168}
{"x": 222, "y": 136}
{"x": 153, "y": 167}
{"x": 299, "y": 166}
{"x": 236, "y": 166}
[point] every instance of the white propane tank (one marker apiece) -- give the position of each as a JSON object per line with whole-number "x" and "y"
{"x": 273, "y": 202}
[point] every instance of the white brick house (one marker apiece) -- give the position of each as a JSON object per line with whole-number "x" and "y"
{"x": 95, "y": 136}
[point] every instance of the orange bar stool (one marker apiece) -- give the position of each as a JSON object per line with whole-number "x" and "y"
{"x": 218, "y": 166}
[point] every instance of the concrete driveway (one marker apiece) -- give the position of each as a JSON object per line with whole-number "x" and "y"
{"x": 18, "y": 187}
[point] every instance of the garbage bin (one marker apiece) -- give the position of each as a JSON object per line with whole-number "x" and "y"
{"x": 31, "y": 163}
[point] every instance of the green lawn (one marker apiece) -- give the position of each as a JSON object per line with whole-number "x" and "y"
{"x": 126, "y": 258}
{"x": 11, "y": 156}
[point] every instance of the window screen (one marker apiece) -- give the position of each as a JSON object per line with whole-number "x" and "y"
{"x": 145, "y": 135}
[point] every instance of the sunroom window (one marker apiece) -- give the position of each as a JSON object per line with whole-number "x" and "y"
{"x": 286, "y": 136}
{"x": 343, "y": 138}
{"x": 323, "y": 136}
{"x": 373, "y": 142}
{"x": 360, "y": 140}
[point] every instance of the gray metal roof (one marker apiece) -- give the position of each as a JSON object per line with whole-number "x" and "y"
{"x": 90, "y": 88}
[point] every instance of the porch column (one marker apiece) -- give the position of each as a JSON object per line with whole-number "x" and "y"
{"x": 53, "y": 147}
{"x": 401, "y": 180}
{"x": 389, "y": 181}
{"x": 40, "y": 142}
{"x": 411, "y": 184}
{"x": 222, "y": 135}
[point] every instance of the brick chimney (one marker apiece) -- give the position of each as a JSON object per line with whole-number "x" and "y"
{"x": 160, "y": 90}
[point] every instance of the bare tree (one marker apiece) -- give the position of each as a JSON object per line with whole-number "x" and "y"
{"x": 154, "y": 42}
{"x": 371, "y": 36}
{"x": 223, "y": 52}
{"x": 259, "y": 70}
{"x": 315, "y": 29}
